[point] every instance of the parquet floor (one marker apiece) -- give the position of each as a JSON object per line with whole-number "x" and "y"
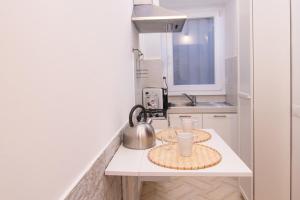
{"x": 192, "y": 188}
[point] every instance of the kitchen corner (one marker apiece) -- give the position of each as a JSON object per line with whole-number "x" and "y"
{"x": 150, "y": 100}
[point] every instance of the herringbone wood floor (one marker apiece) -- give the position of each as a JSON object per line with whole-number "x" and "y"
{"x": 192, "y": 188}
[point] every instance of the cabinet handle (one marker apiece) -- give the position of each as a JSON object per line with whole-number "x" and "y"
{"x": 185, "y": 116}
{"x": 220, "y": 116}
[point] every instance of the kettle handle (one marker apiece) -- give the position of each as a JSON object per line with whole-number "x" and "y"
{"x": 131, "y": 113}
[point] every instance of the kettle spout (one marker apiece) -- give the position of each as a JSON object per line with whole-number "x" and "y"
{"x": 149, "y": 120}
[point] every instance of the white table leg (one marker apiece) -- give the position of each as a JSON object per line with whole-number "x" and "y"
{"x": 131, "y": 187}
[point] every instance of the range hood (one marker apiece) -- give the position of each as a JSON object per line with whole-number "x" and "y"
{"x": 149, "y": 18}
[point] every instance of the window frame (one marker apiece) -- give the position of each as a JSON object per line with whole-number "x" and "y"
{"x": 219, "y": 55}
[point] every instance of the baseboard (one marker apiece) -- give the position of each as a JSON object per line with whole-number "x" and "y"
{"x": 243, "y": 193}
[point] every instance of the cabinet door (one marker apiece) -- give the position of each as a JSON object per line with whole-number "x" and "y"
{"x": 225, "y": 125}
{"x": 159, "y": 124}
{"x": 174, "y": 119}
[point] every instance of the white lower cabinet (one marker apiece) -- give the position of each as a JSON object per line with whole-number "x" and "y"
{"x": 160, "y": 124}
{"x": 174, "y": 119}
{"x": 225, "y": 125}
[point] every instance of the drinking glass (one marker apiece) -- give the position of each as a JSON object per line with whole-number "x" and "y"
{"x": 185, "y": 143}
{"x": 189, "y": 123}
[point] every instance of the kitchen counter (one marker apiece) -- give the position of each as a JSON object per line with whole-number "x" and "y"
{"x": 203, "y": 108}
{"x": 128, "y": 162}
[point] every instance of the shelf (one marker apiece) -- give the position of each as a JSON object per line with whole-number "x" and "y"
{"x": 128, "y": 162}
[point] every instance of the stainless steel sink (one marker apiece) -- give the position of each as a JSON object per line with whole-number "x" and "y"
{"x": 204, "y": 104}
{"x": 200, "y": 104}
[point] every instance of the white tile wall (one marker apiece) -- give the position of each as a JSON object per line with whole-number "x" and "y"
{"x": 95, "y": 185}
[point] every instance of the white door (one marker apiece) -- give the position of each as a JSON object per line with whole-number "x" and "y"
{"x": 245, "y": 93}
{"x": 225, "y": 125}
{"x": 296, "y": 156}
{"x": 296, "y": 99}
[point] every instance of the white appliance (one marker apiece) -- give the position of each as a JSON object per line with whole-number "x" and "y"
{"x": 153, "y": 98}
{"x": 149, "y": 18}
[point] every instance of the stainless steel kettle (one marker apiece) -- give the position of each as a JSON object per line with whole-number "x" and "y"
{"x": 140, "y": 135}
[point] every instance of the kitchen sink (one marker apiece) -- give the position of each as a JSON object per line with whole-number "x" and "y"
{"x": 200, "y": 104}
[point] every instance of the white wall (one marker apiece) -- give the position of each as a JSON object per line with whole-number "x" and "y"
{"x": 66, "y": 87}
{"x": 150, "y": 45}
{"x": 231, "y": 51}
{"x": 245, "y": 48}
{"x": 231, "y": 32}
{"x": 271, "y": 99}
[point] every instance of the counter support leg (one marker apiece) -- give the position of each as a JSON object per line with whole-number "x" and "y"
{"x": 131, "y": 187}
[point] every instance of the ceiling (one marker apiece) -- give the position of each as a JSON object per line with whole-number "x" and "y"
{"x": 192, "y": 3}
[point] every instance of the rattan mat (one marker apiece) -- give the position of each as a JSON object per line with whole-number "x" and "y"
{"x": 168, "y": 156}
{"x": 169, "y": 135}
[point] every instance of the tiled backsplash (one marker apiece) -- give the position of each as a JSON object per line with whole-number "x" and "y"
{"x": 95, "y": 185}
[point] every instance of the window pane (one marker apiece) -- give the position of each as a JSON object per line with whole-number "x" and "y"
{"x": 193, "y": 53}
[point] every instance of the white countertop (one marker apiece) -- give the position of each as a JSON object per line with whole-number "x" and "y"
{"x": 128, "y": 162}
{"x": 202, "y": 109}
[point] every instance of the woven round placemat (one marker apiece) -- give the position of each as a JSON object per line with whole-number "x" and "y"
{"x": 169, "y": 135}
{"x": 168, "y": 156}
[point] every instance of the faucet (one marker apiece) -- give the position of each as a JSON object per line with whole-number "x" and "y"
{"x": 192, "y": 98}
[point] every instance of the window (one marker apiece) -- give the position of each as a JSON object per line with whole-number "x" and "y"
{"x": 193, "y": 53}
{"x": 195, "y": 58}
